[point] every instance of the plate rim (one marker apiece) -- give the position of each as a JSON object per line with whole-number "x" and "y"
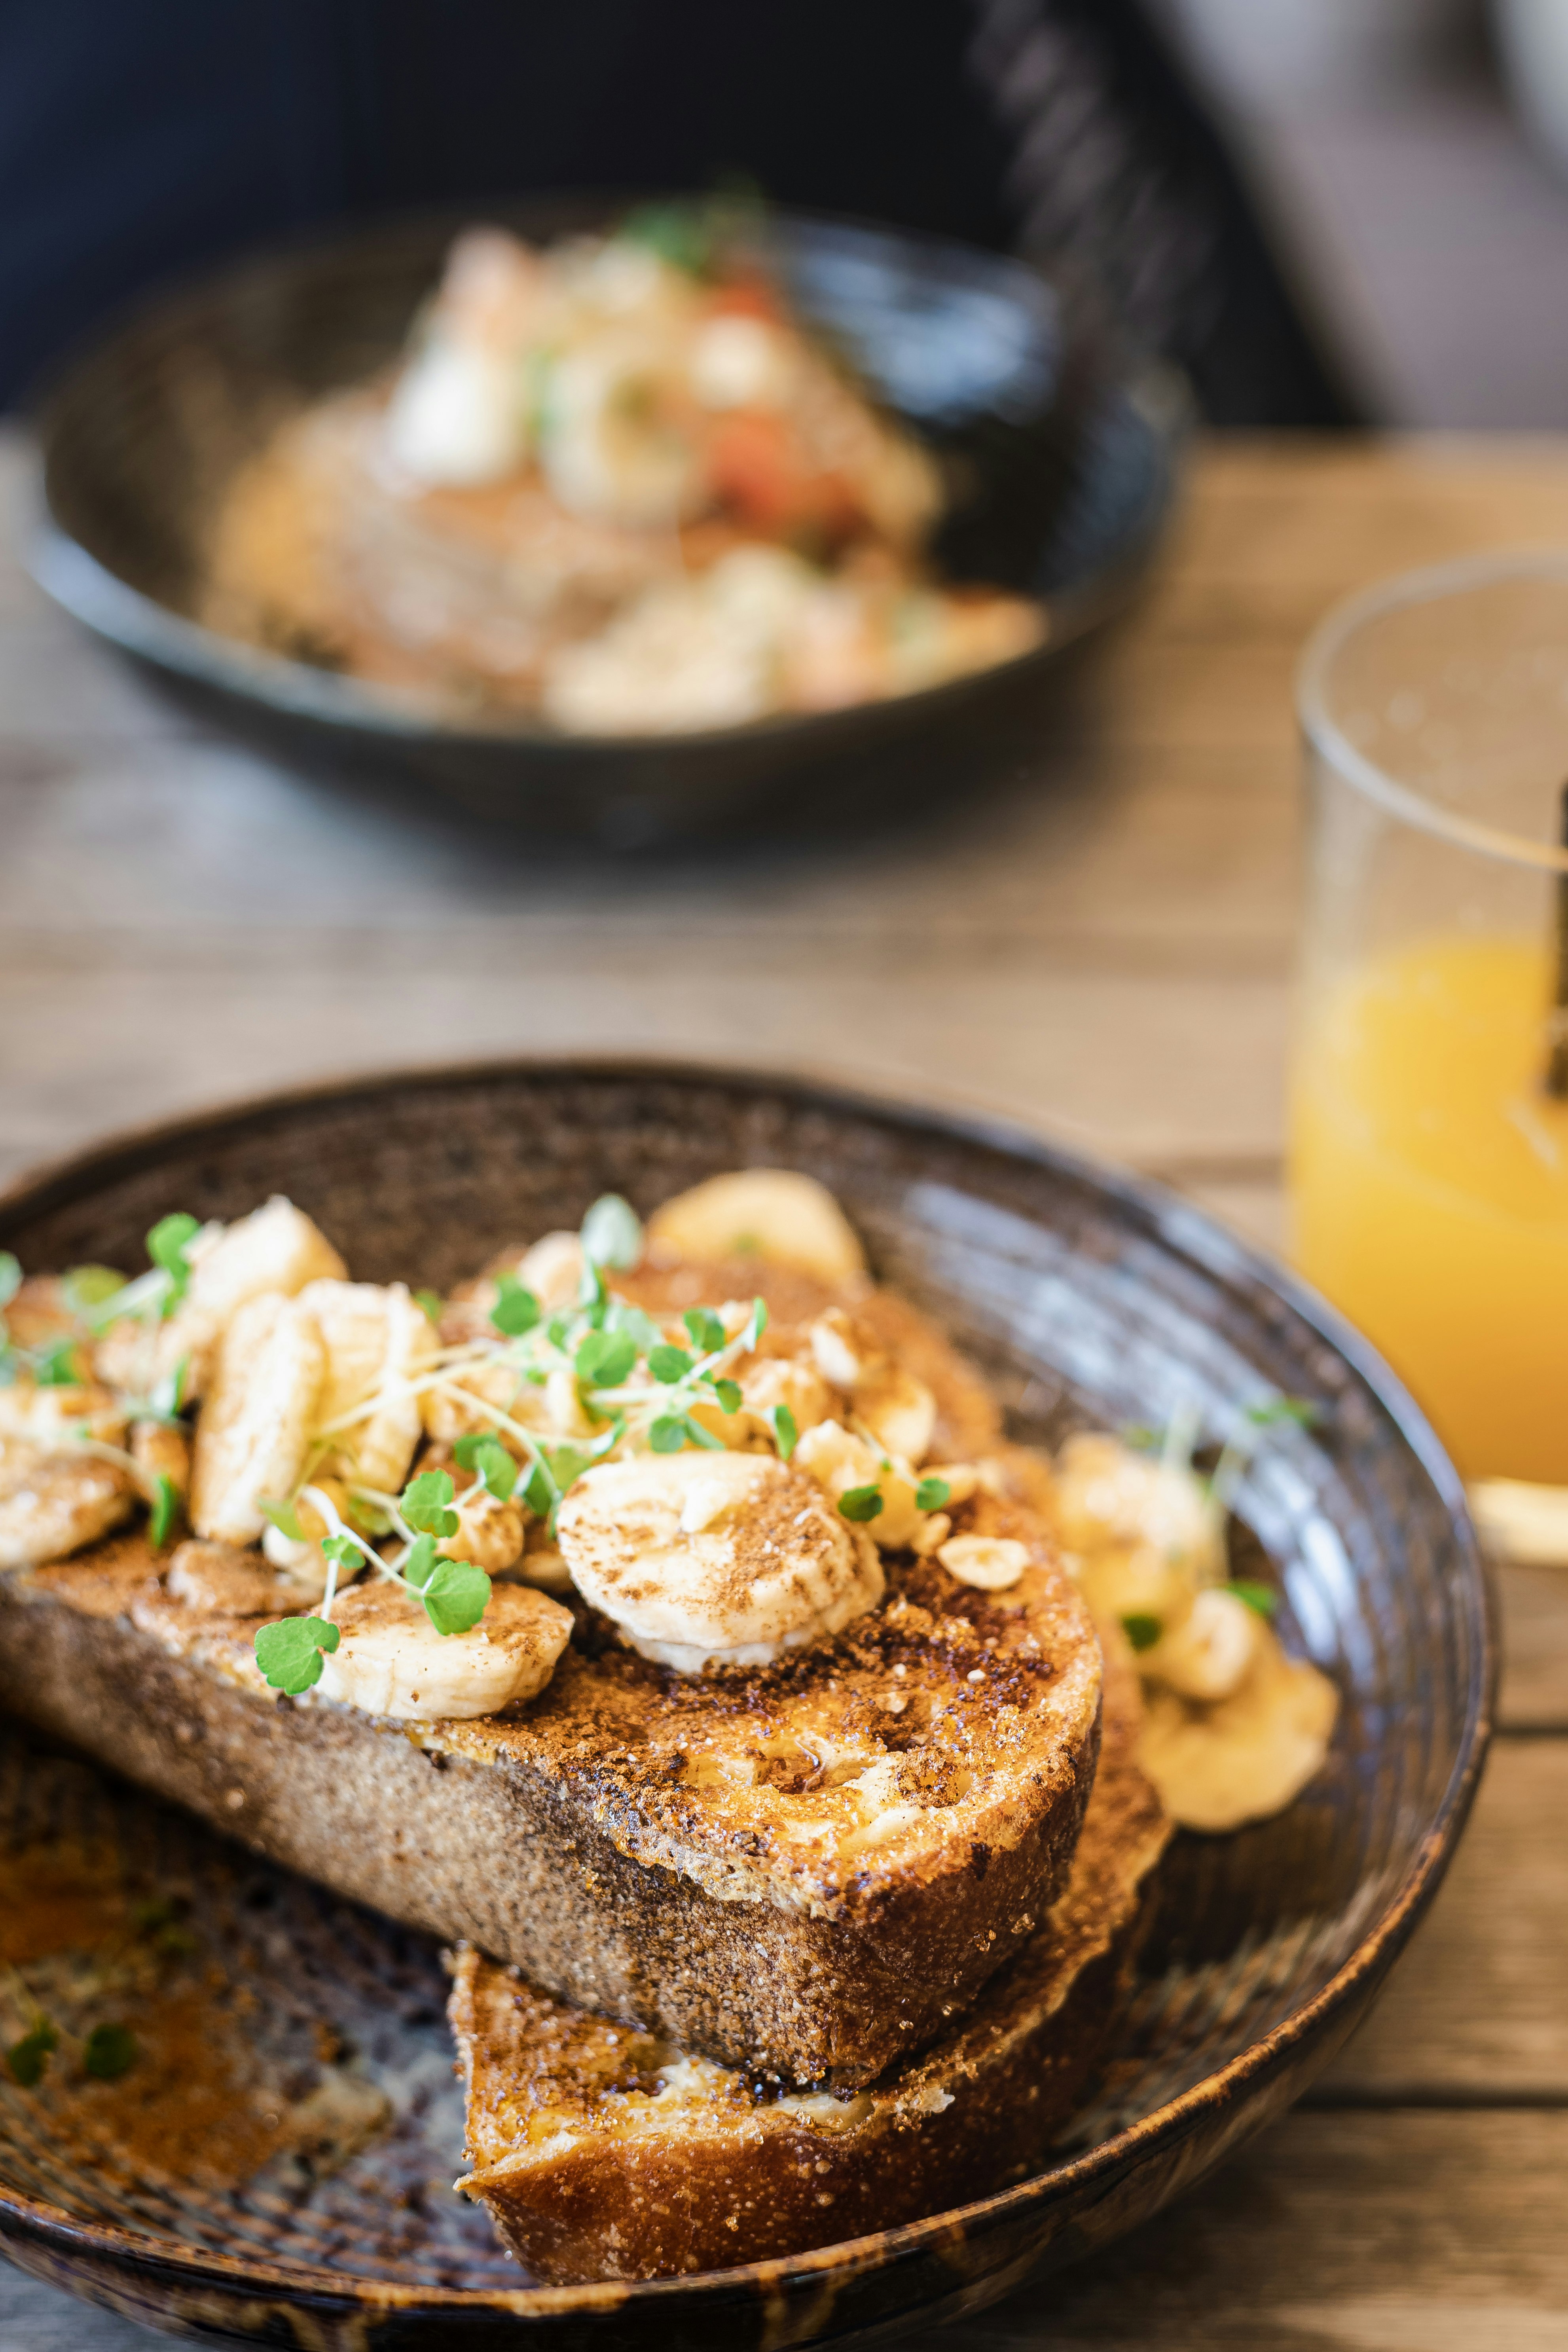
{"x": 1181, "y": 1224}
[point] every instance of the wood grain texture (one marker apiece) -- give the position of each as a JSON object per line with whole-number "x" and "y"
{"x": 1102, "y": 949}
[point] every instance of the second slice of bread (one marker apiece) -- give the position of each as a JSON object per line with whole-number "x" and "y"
{"x": 602, "y": 2152}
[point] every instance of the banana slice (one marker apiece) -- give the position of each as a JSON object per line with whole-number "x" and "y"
{"x": 728, "y": 1557}
{"x": 57, "y": 1419}
{"x": 276, "y": 1248}
{"x": 1211, "y": 1651}
{"x": 377, "y": 1342}
{"x": 839, "y": 1461}
{"x": 898, "y": 1408}
{"x": 766, "y": 1212}
{"x": 1244, "y": 1757}
{"x": 392, "y": 1662}
{"x": 256, "y": 1424}
{"x": 54, "y": 1503}
{"x": 1108, "y": 1495}
{"x": 490, "y": 1533}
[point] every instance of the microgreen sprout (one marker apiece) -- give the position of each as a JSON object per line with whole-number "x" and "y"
{"x": 10, "y": 1277}
{"x": 786, "y": 1435}
{"x": 57, "y": 1364}
{"x": 612, "y": 1234}
{"x": 488, "y": 1458}
{"x": 931, "y": 1494}
{"x": 167, "y": 1246}
{"x": 455, "y": 1593}
{"x": 1142, "y": 1631}
{"x": 283, "y": 1516}
{"x": 516, "y": 1311}
{"x": 1260, "y": 1597}
{"x": 86, "y": 1287}
{"x": 432, "y": 1303}
{"x": 28, "y": 2059}
{"x": 860, "y": 1503}
{"x": 166, "y": 1510}
{"x": 111, "y": 2051}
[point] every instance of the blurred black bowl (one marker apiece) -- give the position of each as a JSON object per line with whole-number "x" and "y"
{"x": 1068, "y": 458}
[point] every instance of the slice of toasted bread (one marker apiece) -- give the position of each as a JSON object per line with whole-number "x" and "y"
{"x": 602, "y": 2152}
{"x": 804, "y": 1868}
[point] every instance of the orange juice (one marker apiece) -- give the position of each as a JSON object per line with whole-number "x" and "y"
{"x": 1429, "y": 1181}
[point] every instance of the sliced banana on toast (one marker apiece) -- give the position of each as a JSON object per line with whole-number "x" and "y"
{"x": 257, "y": 1424}
{"x": 378, "y": 1340}
{"x": 768, "y": 1212}
{"x": 390, "y": 1661}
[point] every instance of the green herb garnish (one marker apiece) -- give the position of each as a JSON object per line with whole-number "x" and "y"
{"x": 434, "y": 1304}
{"x": 10, "y": 1277}
{"x": 167, "y": 1246}
{"x": 1141, "y": 1631}
{"x": 426, "y": 1504}
{"x": 1260, "y": 1597}
{"x": 612, "y": 1232}
{"x": 289, "y": 1653}
{"x": 860, "y": 1503}
{"x": 516, "y": 1311}
{"x": 488, "y": 1458}
{"x": 669, "y": 1364}
{"x": 786, "y": 1435}
{"x": 707, "y": 1329}
{"x": 605, "y": 1358}
{"x": 931, "y": 1494}
{"x": 29, "y": 2058}
{"x": 111, "y": 2051}
{"x": 164, "y": 1512}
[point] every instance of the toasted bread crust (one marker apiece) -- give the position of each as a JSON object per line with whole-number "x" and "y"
{"x": 595, "y": 2161}
{"x": 577, "y": 1840}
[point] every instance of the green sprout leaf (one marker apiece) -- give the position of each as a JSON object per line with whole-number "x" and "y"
{"x": 605, "y": 1358}
{"x": 707, "y": 1329}
{"x": 56, "y": 1365}
{"x": 420, "y": 1565}
{"x": 344, "y": 1554}
{"x": 164, "y": 1512}
{"x": 111, "y": 2051}
{"x": 786, "y": 1435}
{"x": 729, "y": 1394}
{"x": 620, "y": 1315}
{"x": 456, "y": 1595}
{"x": 538, "y": 1492}
{"x": 10, "y": 1281}
{"x": 493, "y": 1466}
{"x": 1141, "y": 1631}
{"x": 289, "y": 1653}
{"x": 433, "y": 1303}
{"x": 1296, "y": 1412}
{"x": 426, "y": 1504}
{"x": 167, "y": 1244}
{"x": 169, "y": 1393}
{"x": 1260, "y": 1597}
{"x": 860, "y": 1503}
{"x": 668, "y": 1434}
{"x": 612, "y": 1232}
{"x": 931, "y": 1494}
{"x": 669, "y": 1365}
{"x": 87, "y": 1286}
{"x": 29, "y": 2058}
{"x": 757, "y": 1325}
{"x": 283, "y": 1516}
{"x": 516, "y": 1310}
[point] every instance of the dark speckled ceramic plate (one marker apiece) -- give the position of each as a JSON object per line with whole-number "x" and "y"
{"x": 1064, "y": 457}
{"x": 1089, "y": 1299}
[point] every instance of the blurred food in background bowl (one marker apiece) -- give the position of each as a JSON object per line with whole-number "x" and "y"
{"x": 628, "y": 526}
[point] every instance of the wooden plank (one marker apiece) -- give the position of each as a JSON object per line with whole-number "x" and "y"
{"x": 1478, "y": 2005}
{"x": 1414, "y": 2232}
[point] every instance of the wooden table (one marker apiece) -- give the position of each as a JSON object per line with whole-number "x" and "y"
{"x": 1103, "y": 952}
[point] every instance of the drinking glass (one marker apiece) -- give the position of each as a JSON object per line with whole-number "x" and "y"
{"x": 1428, "y": 1166}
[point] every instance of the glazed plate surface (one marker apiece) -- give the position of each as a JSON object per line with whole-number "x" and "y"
{"x": 1066, "y": 453}
{"x": 1089, "y": 1299}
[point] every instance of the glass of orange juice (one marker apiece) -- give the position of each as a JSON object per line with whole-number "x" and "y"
{"x": 1429, "y": 1097}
